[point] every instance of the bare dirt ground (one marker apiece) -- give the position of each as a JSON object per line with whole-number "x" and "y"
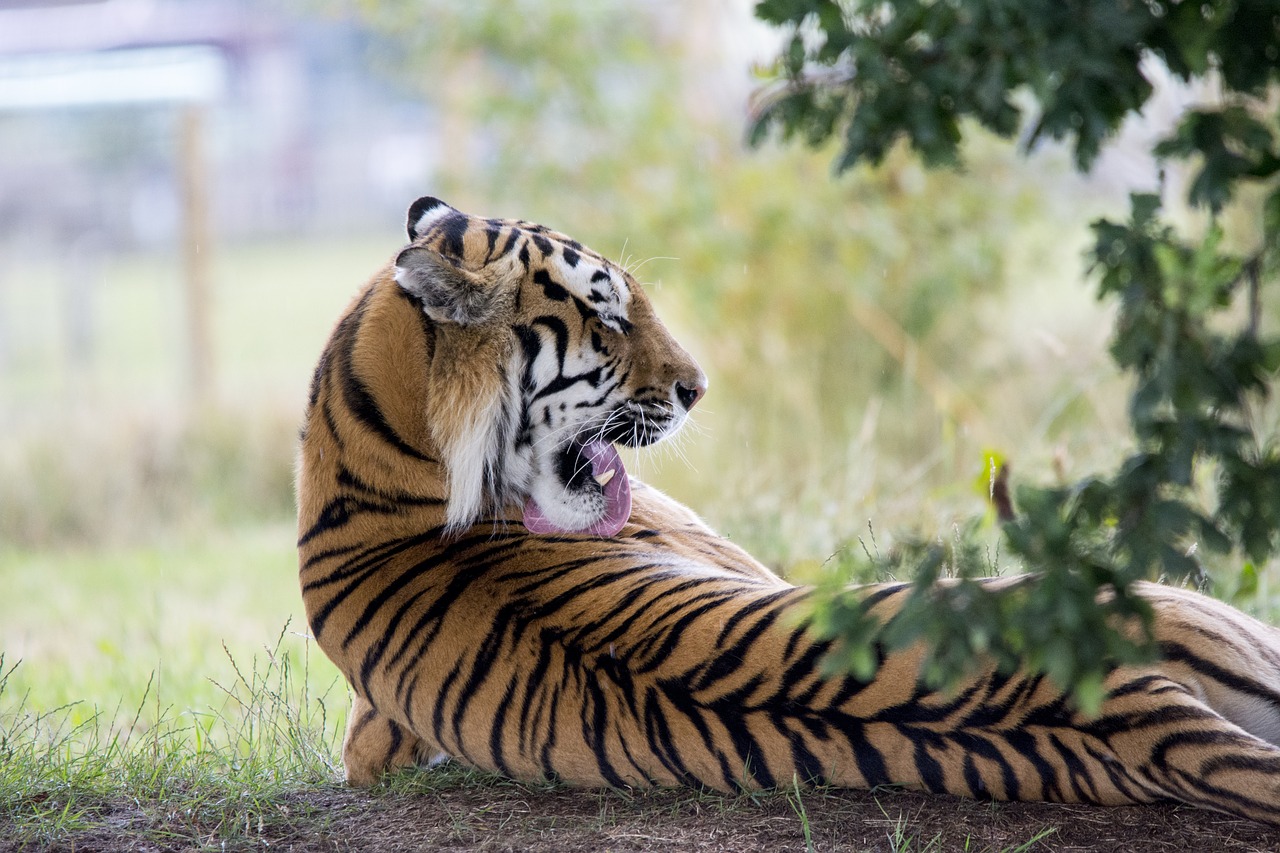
{"x": 516, "y": 818}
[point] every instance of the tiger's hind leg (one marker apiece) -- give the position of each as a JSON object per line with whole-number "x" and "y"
{"x": 375, "y": 744}
{"x": 1169, "y": 742}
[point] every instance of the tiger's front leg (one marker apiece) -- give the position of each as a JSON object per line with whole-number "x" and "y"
{"x": 375, "y": 744}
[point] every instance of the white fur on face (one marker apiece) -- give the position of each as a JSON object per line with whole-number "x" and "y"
{"x": 584, "y": 279}
{"x": 564, "y": 507}
{"x": 482, "y": 466}
{"x": 556, "y": 421}
{"x": 470, "y": 457}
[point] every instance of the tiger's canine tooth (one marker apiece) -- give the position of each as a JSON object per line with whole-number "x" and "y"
{"x": 603, "y": 479}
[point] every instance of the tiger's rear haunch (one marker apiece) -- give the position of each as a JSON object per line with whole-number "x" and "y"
{"x": 495, "y": 588}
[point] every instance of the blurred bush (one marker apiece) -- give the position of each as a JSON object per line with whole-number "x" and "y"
{"x": 857, "y": 332}
{"x": 94, "y": 482}
{"x": 867, "y": 338}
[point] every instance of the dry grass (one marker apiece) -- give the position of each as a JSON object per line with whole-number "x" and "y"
{"x": 450, "y": 809}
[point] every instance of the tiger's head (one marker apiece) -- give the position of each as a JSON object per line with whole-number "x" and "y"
{"x": 546, "y": 355}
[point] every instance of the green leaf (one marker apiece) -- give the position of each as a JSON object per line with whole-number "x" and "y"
{"x": 1247, "y": 587}
{"x": 1269, "y": 356}
{"x": 1271, "y": 218}
{"x": 785, "y": 11}
{"x": 1089, "y": 692}
{"x": 1143, "y": 208}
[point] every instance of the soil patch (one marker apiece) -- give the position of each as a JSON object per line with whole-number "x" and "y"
{"x": 509, "y": 817}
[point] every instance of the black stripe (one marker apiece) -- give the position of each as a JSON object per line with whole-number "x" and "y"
{"x": 533, "y": 684}
{"x": 481, "y": 668}
{"x": 452, "y": 227}
{"x": 977, "y": 789}
{"x": 549, "y": 743}
{"x": 512, "y": 236}
{"x": 733, "y": 712}
{"x": 1026, "y": 746}
{"x": 1119, "y": 777}
{"x": 672, "y": 635}
{"x": 437, "y": 713}
{"x": 806, "y": 667}
{"x": 742, "y": 612}
{"x": 360, "y": 401}
{"x": 880, "y": 593}
{"x": 397, "y": 738}
{"x": 552, "y": 289}
{"x": 497, "y": 729}
{"x": 356, "y": 572}
{"x": 1178, "y": 652}
{"x": 677, "y": 695}
{"x": 927, "y": 767}
{"x": 491, "y": 233}
{"x": 419, "y": 636}
{"x": 1077, "y": 772}
{"x": 658, "y": 734}
{"x": 595, "y": 721}
{"x": 808, "y": 768}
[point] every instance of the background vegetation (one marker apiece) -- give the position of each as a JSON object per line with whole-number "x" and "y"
{"x": 874, "y": 340}
{"x": 1197, "y": 490}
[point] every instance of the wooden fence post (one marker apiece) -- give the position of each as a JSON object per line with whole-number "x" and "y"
{"x": 196, "y": 250}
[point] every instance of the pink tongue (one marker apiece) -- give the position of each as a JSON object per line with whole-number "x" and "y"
{"x": 617, "y": 496}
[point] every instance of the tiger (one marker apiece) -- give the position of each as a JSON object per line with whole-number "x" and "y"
{"x": 499, "y": 591}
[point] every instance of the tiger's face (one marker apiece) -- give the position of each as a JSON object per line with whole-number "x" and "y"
{"x": 546, "y": 356}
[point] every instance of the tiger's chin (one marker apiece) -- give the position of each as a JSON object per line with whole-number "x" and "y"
{"x": 583, "y": 489}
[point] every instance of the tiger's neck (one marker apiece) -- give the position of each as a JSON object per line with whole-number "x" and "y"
{"x": 368, "y": 465}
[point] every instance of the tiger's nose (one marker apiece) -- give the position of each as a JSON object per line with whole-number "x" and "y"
{"x": 689, "y": 393}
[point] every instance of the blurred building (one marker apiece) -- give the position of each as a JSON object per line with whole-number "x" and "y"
{"x": 300, "y": 136}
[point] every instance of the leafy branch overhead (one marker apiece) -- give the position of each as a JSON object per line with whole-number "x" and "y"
{"x": 1188, "y": 329}
{"x": 877, "y": 72}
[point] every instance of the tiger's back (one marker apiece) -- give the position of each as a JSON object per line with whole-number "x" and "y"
{"x": 473, "y": 392}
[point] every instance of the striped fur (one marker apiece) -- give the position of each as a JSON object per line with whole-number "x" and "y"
{"x": 664, "y": 655}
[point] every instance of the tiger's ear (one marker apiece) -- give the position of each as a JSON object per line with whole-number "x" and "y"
{"x": 423, "y": 212}
{"x": 448, "y": 293}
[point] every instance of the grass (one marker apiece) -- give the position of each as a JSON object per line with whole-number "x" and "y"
{"x": 260, "y": 773}
{"x": 111, "y": 449}
{"x": 95, "y": 625}
{"x": 796, "y": 799}
{"x": 187, "y": 775}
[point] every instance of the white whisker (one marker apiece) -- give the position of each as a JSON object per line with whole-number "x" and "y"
{"x": 558, "y": 433}
{"x": 631, "y": 270}
{"x": 622, "y": 255}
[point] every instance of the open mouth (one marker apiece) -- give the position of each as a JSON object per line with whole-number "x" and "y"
{"x": 594, "y": 473}
{"x": 584, "y": 489}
